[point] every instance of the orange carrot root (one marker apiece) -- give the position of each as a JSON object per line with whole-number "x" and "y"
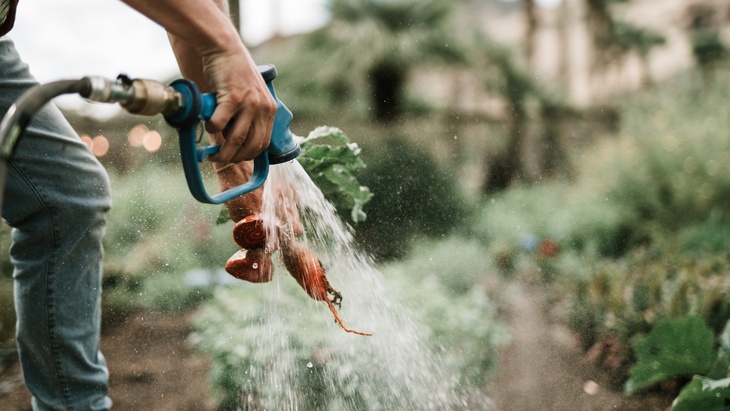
{"x": 250, "y": 232}
{"x": 251, "y": 265}
{"x": 306, "y": 268}
{"x": 331, "y": 306}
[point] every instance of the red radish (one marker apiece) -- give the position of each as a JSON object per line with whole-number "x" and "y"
{"x": 251, "y": 265}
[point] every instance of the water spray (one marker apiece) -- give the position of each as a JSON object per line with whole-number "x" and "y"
{"x": 183, "y": 107}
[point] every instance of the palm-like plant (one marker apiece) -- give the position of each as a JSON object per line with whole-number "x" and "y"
{"x": 381, "y": 41}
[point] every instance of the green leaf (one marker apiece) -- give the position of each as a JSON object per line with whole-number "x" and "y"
{"x": 223, "y": 216}
{"x": 326, "y": 132}
{"x": 703, "y": 394}
{"x": 331, "y": 168}
{"x": 675, "y": 347}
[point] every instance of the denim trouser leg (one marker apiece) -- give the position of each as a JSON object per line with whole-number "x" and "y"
{"x": 56, "y": 199}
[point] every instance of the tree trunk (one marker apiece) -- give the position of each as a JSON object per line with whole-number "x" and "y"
{"x": 530, "y": 30}
{"x": 600, "y": 24}
{"x": 506, "y": 167}
{"x": 387, "y": 82}
{"x": 564, "y": 29}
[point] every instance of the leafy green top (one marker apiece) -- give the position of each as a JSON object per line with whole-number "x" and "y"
{"x": 332, "y": 169}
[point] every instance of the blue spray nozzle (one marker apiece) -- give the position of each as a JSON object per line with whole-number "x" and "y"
{"x": 198, "y": 107}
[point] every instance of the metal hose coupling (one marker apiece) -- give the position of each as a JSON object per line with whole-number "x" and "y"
{"x": 137, "y": 96}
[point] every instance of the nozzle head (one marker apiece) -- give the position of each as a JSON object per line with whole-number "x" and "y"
{"x": 278, "y": 158}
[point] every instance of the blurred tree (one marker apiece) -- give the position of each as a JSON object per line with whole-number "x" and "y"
{"x": 703, "y": 23}
{"x": 600, "y": 25}
{"x": 639, "y": 40}
{"x": 517, "y": 87}
{"x": 413, "y": 196}
{"x": 382, "y": 41}
{"x": 531, "y": 25}
{"x": 614, "y": 40}
{"x": 507, "y": 165}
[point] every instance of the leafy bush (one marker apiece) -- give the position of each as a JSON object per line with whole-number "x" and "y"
{"x": 575, "y": 216}
{"x": 412, "y": 195}
{"x": 630, "y": 296}
{"x": 670, "y": 168}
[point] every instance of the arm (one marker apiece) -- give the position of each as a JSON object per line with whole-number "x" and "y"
{"x": 210, "y": 52}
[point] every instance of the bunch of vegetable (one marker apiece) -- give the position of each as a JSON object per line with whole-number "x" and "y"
{"x": 253, "y": 262}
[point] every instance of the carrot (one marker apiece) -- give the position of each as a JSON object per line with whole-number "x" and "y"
{"x": 306, "y": 268}
{"x": 232, "y": 175}
{"x": 251, "y": 265}
{"x": 250, "y": 232}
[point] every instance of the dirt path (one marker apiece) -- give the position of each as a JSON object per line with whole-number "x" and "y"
{"x": 544, "y": 370}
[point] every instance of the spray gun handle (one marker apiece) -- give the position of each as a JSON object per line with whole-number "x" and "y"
{"x": 199, "y": 107}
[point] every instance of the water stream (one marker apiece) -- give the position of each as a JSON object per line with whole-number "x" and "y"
{"x": 302, "y": 360}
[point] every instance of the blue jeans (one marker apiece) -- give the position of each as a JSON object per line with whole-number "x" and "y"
{"x": 56, "y": 199}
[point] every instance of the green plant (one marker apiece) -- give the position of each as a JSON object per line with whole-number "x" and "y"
{"x": 674, "y": 348}
{"x": 333, "y": 168}
{"x": 156, "y": 233}
{"x": 682, "y": 347}
{"x": 412, "y": 195}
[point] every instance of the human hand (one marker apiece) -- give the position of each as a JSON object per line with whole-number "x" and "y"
{"x": 243, "y": 101}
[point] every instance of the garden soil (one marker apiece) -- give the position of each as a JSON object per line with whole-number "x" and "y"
{"x": 152, "y": 367}
{"x": 544, "y": 368}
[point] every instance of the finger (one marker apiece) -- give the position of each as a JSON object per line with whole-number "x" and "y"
{"x": 236, "y": 138}
{"x": 256, "y": 142}
{"x": 222, "y": 115}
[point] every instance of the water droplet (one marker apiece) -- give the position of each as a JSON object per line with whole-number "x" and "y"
{"x": 310, "y": 365}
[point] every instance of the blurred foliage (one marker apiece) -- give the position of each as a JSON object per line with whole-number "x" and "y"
{"x": 155, "y": 234}
{"x": 641, "y": 232}
{"x": 674, "y": 348}
{"x": 707, "y": 48}
{"x": 709, "y": 391}
{"x": 380, "y": 42}
{"x": 412, "y": 195}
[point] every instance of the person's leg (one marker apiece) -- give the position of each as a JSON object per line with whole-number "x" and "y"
{"x": 56, "y": 199}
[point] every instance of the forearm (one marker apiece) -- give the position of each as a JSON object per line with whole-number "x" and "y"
{"x": 189, "y": 60}
{"x": 203, "y": 25}
{"x": 210, "y": 52}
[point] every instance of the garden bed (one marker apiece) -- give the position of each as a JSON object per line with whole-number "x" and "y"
{"x": 151, "y": 367}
